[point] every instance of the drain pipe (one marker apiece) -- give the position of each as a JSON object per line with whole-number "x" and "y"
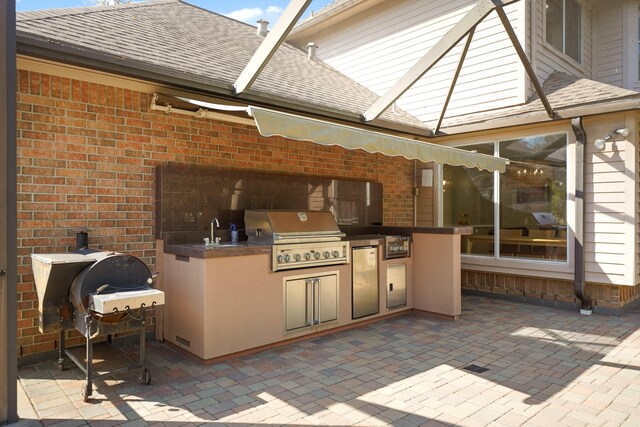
{"x": 586, "y": 306}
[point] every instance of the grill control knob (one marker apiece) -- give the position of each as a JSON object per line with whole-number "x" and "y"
{"x": 287, "y": 258}
{"x": 336, "y": 254}
{"x": 297, "y": 257}
{"x": 307, "y": 256}
{"x": 326, "y": 254}
{"x": 280, "y": 258}
{"x": 316, "y": 255}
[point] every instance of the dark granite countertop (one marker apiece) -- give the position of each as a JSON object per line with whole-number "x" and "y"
{"x": 199, "y": 250}
{"x": 382, "y": 230}
{"x": 363, "y": 235}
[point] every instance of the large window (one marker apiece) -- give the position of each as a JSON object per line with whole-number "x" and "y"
{"x": 564, "y": 27}
{"x": 526, "y": 218}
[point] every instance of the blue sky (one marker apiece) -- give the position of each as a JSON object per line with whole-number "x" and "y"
{"x": 247, "y": 10}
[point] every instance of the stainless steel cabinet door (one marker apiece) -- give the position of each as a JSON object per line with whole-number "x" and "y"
{"x": 396, "y": 285}
{"x": 297, "y": 303}
{"x": 326, "y": 298}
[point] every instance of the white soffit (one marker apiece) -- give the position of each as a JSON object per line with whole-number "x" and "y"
{"x": 272, "y": 123}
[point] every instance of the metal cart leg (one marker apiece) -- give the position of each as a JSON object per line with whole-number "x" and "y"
{"x": 145, "y": 375}
{"x": 88, "y": 388}
{"x": 61, "y": 351}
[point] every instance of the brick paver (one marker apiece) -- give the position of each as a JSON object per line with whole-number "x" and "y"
{"x": 545, "y": 367}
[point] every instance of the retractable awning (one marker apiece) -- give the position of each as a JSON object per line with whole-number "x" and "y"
{"x": 272, "y": 123}
{"x": 292, "y": 126}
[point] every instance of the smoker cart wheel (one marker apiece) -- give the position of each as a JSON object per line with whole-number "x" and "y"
{"x": 86, "y": 392}
{"x": 146, "y": 377}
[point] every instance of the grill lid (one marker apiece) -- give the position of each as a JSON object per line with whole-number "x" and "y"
{"x": 111, "y": 273}
{"x": 286, "y": 226}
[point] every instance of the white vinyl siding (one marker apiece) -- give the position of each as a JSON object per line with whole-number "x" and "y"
{"x": 606, "y": 224}
{"x": 549, "y": 59}
{"x": 608, "y": 44}
{"x": 378, "y": 46}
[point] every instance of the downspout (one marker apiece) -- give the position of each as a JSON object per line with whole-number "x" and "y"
{"x": 586, "y": 306}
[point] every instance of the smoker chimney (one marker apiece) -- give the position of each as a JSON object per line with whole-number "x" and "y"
{"x": 82, "y": 238}
{"x": 262, "y": 27}
{"x": 311, "y": 50}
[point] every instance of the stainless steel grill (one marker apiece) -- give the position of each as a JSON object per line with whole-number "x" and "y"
{"x": 97, "y": 293}
{"x": 397, "y": 247}
{"x": 300, "y": 239}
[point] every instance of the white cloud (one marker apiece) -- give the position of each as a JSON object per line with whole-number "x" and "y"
{"x": 274, "y": 10}
{"x": 251, "y": 15}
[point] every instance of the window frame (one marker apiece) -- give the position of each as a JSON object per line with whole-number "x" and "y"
{"x": 561, "y": 269}
{"x": 562, "y": 51}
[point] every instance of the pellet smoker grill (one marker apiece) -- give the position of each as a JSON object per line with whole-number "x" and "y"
{"x": 98, "y": 294}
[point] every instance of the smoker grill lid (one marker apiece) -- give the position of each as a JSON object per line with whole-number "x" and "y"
{"x": 112, "y": 272}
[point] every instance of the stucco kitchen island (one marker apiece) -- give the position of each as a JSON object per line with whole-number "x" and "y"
{"x": 224, "y": 301}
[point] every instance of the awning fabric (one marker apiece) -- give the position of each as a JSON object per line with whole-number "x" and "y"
{"x": 271, "y": 123}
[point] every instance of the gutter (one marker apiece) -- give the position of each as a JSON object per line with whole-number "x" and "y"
{"x": 539, "y": 117}
{"x": 586, "y": 306}
{"x": 156, "y": 73}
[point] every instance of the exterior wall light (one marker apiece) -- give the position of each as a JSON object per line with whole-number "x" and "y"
{"x": 600, "y": 142}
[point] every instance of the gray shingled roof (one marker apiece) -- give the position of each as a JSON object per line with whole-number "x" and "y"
{"x": 176, "y": 39}
{"x": 563, "y": 91}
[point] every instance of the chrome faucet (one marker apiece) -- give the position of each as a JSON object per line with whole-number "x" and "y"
{"x": 214, "y": 224}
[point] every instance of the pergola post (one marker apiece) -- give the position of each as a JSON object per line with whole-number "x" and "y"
{"x": 8, "y": 264}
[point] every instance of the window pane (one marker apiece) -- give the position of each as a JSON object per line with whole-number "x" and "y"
{"x": 468, "y": 200}
{"x": 573, "y": 29}
{"x": 533, "y": 198}
{"x": 554, "y": 23}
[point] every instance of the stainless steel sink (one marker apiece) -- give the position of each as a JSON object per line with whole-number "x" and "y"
{"x": 219, "y": 245}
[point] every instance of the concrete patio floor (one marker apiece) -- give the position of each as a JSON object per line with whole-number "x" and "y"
{"x": 545, "y": 367}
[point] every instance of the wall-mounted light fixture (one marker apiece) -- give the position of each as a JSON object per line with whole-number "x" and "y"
{"x": 600, "y": 142}
{"x": 427, "y": 178}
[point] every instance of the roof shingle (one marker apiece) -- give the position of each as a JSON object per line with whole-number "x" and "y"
{"x": 179, "y": 39}
{"x": 562, "y": 90}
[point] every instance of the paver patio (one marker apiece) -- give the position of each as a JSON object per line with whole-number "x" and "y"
{"x": 545, "y": 367}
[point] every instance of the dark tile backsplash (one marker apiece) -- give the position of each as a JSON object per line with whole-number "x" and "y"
{"x": 188, "y": 197}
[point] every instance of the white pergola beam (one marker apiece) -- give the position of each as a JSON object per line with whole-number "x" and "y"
{"x": 440, "y": 49}
{"x": 270, "y": 44}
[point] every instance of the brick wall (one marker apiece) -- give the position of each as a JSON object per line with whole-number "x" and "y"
{"x": 86, "y": 158}
{"x": 603, "y": 296}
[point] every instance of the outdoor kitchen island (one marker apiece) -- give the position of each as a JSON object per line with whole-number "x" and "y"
{"x": 225, "y": 300}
